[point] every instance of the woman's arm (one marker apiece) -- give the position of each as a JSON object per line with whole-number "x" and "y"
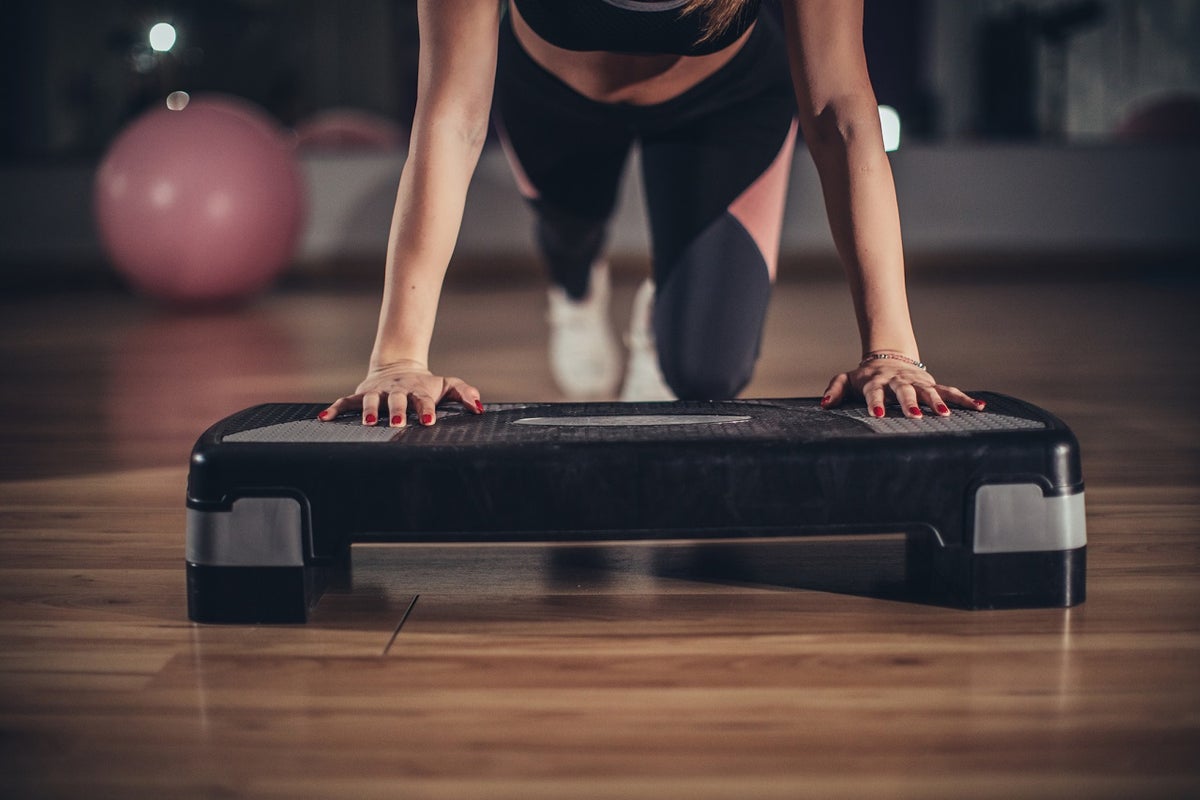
{"x": 839, "y": 117}
{"x": 456, "y": 73}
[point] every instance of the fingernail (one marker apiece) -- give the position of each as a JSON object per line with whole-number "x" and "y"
{"x": 397, "y": 420}
{"x": 371, "y": 418}
{"x": 427, "y": 419}
{"x": 479, "y": 406}
{"x": 980, "y": 404}
{"x": 941, "y": 409}
{"x": 916, "y": 412}
{"x": 879, "y": 411}
{"x": 323, "y": 415}
{"x": 825, "y": 400}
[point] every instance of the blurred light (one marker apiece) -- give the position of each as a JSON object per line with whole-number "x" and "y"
{"x": 143, "y": 60}
{"x": 177, "y": 101}
{"x": 889, "y": 120}
{"x": 162, "y": 37}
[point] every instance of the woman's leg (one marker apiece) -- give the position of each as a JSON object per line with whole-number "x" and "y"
{"x": 713, "y": 270}
{"x": 567, "y": 154}
{"x": 715, "y": 182}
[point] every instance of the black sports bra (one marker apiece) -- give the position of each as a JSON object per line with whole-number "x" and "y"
{"x": 628, "y": 26}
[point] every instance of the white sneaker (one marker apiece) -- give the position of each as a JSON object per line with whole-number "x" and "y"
{"x": 643, "y": 377}
{"x": 585, "y": 358}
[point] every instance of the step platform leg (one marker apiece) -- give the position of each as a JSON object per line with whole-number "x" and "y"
{"x": 248, "y": 564}
{"x": 1026, "y": 549}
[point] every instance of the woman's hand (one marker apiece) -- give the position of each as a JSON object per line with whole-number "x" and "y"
{"x": 877, "y": 379}
{"x": 398, "y": 385}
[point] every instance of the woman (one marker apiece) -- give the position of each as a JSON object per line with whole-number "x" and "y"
{"x": 710, "y": 90}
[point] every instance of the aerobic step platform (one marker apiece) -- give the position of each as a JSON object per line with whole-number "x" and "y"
{"x": 991, "y": 503}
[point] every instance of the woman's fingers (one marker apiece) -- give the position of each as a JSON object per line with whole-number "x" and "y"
{"x": 338, "y": 406}
{"x": 465, "y": 393}
{"x": 330, "y": 411}
{"x": 906, "y": 396}
{"x": 933, "y": 399}
{"x": 397, "y": 409}
{"x": 916, "y": 392}
{"x": 874, "y": 395}
{"x": 425, "y": 407}
{"x": 397, "y": 397}
{"x": 960, "y": 398}
{"x": 451, "y": 388}
{"x": 370, "y": 408}
{"x": 835, "y": 392}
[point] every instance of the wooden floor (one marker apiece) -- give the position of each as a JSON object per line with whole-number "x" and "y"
{"x": 778, "y": 671}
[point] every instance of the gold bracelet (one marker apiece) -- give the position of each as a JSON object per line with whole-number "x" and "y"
{"x": 880, "y": 356}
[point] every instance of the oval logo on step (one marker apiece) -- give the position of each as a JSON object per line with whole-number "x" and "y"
{"x": 632, "y": 420}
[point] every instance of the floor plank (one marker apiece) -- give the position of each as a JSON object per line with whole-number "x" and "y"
{"x": 770, "y": 669}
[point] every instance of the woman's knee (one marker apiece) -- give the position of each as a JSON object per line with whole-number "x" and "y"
{"x": 709, "y": 313}
{"x": 692, "y": 377}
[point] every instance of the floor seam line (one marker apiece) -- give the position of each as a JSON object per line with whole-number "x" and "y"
{"x": 403, "y": 618}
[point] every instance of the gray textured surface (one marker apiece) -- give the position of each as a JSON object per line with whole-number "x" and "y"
{"x": 632, "y": 420}
{"x": 762, "y": 420}
{"x": 310, "y": 430}
{"x": 957, "y": 422}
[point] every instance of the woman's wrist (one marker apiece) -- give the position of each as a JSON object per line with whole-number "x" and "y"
{"x": 887, "y": 328}
{"x": 894, "y": 355}
{"x": 391, "y": 360}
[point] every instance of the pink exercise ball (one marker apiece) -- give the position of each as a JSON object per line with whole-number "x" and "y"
{"x": 1170, "y": 119}
{"x": 203, "y": 205}
{"x": 349, "y": 129}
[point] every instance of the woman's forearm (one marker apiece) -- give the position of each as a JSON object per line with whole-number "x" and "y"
{"x": 425, "y": 226}
{"x": 860, "y": 200}
{"x": 840, "y": 120}
{"x": 455, "y": 75}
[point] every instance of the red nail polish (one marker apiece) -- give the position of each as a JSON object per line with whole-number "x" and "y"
{"x": 916, "y": 412}
{"x": 371, "y": 419}
{"x": 980, "y": 404}
{"x": 397, "y": 420}
{"x": 825, "y": 400}
{"x": 479, "y": 405}
{"x": 942, "y": 408}
{"x": 427, "y": 419}
{"x": 879, "y": 411}
{"x": 323, "y": 415}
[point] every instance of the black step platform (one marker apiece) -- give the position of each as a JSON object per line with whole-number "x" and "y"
{"x": 991, "y": 502}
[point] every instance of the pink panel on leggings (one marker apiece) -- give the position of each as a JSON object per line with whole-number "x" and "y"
{"x": 760, "y": 207}
{"x": 524, "y": 185}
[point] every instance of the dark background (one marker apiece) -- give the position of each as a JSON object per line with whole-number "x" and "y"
{"x": 75, "y": 72}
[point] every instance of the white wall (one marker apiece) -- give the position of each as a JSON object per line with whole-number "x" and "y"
{"x": 961, "y": 199}
{"x": 958, "y": 200}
